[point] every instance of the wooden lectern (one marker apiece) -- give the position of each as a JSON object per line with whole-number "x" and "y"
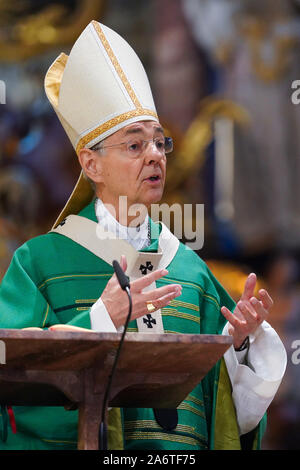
{"x": 71, "y": 369}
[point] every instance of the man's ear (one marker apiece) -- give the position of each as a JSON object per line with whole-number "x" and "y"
{"x": 90, "y": 162}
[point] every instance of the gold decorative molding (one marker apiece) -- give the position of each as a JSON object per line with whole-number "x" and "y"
{"x": 256, "y": 32}
{"x": 24, "y": 34}
{"x": 189, "y": 154}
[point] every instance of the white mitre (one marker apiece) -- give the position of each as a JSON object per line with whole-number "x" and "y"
{"x": 95, "y": 91}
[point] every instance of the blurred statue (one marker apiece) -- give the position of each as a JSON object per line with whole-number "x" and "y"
{"x": 254, "y": 49}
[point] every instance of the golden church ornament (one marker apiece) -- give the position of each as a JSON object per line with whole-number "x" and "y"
{"x": 259, "y": 35}
{"x": 25, "y": 34}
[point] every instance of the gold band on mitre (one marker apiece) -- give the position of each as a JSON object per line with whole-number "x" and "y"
{"x": 103, "y": 128}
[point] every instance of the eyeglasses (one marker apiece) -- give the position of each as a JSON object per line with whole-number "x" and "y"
{"x": 134, "y": 148}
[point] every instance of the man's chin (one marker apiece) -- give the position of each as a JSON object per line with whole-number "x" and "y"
{"x": 148, "y": 198}
{"x": 154, "y": 199}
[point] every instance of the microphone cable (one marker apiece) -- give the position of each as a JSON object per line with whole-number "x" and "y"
{"x": 125, "y": 285}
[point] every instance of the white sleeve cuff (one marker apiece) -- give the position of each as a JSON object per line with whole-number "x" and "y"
{"x": 240, "y": 355}
{"x": 100, "y": 318}
{"x": 255, "y": 384}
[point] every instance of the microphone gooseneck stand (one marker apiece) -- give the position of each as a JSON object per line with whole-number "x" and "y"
{"x": 125, "y": 285}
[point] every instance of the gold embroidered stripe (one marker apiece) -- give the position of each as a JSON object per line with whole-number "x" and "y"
{"x": 180, "y": 303}
{"x": 188, "y": 284}
{"x": 148, "y": 423}
{"x": 46, "y": 315}
{"x": 71, "y": 276}
{"x": 192, "y": 409}
{"x": 59, "y": 442}
{"x": 195, "y": 400}
{"x": 161, "y": 436}
{"x": 142, "y": 423}
{"x": 196, "y": 286}
{"x": 116, "y": 64}
{"x": 210, "y": 297}
{"x": 85, "y": 301}
{"x": 174, "y": 313}
{"x": 112, "y": 123}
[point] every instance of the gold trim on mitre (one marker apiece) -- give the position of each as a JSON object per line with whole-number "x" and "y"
{"x": 116, "y": 64}
{"x": 84, "y": 141}
{"x": 53, "y": 78}
{"x": 52, "y": 84}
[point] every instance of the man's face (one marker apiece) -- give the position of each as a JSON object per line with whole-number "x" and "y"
{"x": 141, "y": 179}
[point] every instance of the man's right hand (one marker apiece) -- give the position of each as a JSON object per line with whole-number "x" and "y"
{"x": 116, "y": 300}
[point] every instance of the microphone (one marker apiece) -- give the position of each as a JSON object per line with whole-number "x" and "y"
{"x": 121, "y": 276}
{"x": 124, "y": 282}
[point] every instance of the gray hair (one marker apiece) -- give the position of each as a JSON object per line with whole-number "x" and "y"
{"x": 98, "y": 147}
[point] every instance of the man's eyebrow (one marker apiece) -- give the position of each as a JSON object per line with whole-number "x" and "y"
{"x": 137, "y": 130}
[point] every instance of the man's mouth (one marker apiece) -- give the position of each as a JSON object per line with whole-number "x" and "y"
{"x": 154, "y": 178}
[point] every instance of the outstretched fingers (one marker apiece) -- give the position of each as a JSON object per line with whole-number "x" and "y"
{"x": 139, "y": 284}
{"x": 161, "y": 291}
{"x": 159, "y": 298}
{"x": 266, "y": 299}
{"x": 230, "y": 317}
{"x": 249, "y": 287}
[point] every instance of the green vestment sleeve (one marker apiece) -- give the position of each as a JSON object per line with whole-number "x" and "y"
{"x": 22, "y": 303}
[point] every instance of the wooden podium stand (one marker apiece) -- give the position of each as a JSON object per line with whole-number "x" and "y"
{"x": 71, "y": 369}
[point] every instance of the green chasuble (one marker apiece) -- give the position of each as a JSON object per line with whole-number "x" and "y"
{"x": 52, "y": 280}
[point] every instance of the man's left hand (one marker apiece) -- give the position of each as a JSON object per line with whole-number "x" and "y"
{"x": 249, "y": 313}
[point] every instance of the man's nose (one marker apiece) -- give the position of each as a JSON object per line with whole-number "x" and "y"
{"x": 152, "y": 153}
